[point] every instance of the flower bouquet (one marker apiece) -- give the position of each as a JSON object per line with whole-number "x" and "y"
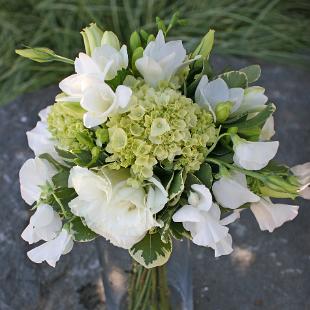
{"x": 146, "y": 144}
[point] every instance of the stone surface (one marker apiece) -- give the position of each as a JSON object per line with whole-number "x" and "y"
{"x": 266, "y": 271}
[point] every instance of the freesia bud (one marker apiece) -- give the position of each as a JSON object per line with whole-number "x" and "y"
{"x": 92, "y": 36}
{"x": 150, "y": 38}
{"x": 222, "y": 111}
{"x": 205, "y": 46}
{"x": 110, "y": 38}
{"x": 134, "y": 41}
{"x": 138, "y": 53}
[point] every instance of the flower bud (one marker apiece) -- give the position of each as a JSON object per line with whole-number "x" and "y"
{"x": 150, "y": 38}
{"x": 222, "y": 111}
{"x": 110, "y": 38}
{"x": 205, "y": 46}
{"x": 92, "y": 36}
{"x": 134, "y": 41}
{"x": 138, "y": 53}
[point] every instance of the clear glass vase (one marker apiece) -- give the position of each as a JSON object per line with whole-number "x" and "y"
{"x": 117, "y": 270}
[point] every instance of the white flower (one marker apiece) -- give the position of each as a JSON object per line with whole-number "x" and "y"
{"x": 232, "y": 191}
{"x": 157, "y": 196}
{"x": 267, "y": 131}
{"x": 302, "y": 172}
{"x": 90, "y": 71}
{"x": 100, "y": 102}
{"x": 34, "y": 173}
{"x": 253, "y": 155}
{"x": 45, "y": 224}
{"x": 51, "y": 251}
{"x": 109, "y": 206}
{"x": 270, "y": 216}
{"x": 202, "y": 218}
{"x": 253, "y": 99}
{"x": 161, "y": 60}
{"x": 209, "y": 94}
{"x": 40, "y": 140}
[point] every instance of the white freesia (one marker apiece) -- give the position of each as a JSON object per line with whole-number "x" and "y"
{"x": 161, "y": 60}
{"x": 267, "y": 131}
{"x": 232, "y": 191}
{"x": 253, "y": 155}
{"x": 270, "y": 216}
{"x": 202, "y": 218}
{"x": 45, "y": 224}
{"x": 93, "y": 70}
{"x": 100, "y": 102}
{"x": 34, "y": 174}
{"x": 302, "y": 172}
{"x": 109, "y": 206}
{"x": 40, "y": 140}
{"x": 209, "y": 94}
{"x": 51, "y": 251}
{"x": 157, "y": 196}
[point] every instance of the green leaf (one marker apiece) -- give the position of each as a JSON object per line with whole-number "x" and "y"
{"x": 177, "y": 185}
{"x": 252, "y": 72}
{"x": 178, "y": 231}
{"x": 165, "y": 176}
{"x": 151, "y": 251}
{"x": 276, "y": 168}
{"x": 204, "y": 174}
{"x": 190, "y": 180}
{"x": 118, "y": 80}
{"x": 52, "y": 161}
{"x": 79, "y": 231}
{"x": 42, "y": 54}
{"x": 61, "y": 178}
{"x": 235, "y": 79}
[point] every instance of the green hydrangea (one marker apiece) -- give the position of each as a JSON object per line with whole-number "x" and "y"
{"x": 160, "y": 126}
{"x": 66, "y": 126}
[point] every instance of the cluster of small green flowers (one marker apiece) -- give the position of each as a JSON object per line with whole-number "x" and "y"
{"x": 68, "y": 129}
{"x": 160, "y": 126}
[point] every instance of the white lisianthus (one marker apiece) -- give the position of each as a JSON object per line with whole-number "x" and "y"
{"x": 45, "y": 224}
{"x": 161, "y": 60}
{"x": 34, "y": 174}
{"x": 100, "y": 102}
{"x": 209, "y": 94}
{"x": 51, "y": 251}
{"x": 302, "y": 172}
{"x": 109, "y": 206}
{"x": 201, "y": 217}
{"x": 232, "y": 191}
{"x": 253, "y": 155}
{"x": 270, "y": 216}
{"x": 40, "y": 140}
{"x": 267, "y": 131}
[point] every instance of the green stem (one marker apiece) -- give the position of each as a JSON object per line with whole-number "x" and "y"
{"x": 145, "y": 287}
{"x": 164, "y": 303}
{"x": 216, "y": 142}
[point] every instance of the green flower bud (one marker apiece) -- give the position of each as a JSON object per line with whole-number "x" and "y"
{"x": 138, "y": 53}
{"x": 92, "y": 36}
{"x": 205, "y": 46}
{"x": 144, "y": 34}
{"x": 134, "y": 41}
{"x": 150, "y": 38}
{"x": 110, "y": 38}
{"x": 222, "y": 111}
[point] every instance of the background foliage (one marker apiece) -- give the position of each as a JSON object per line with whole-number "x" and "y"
{"x": 272, "y": 30}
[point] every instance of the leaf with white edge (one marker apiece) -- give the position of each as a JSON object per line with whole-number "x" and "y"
{"x": 252, "y": 72}
{"x": 151, "y": 251}
{"x": 79, "y": 231}
{"x": 191, "y": 180}
{"x": 204, "y": 174}
{"x": 178, "y": 231}
{"x": 235, "y": 79}
{"x": 177, "y": 185}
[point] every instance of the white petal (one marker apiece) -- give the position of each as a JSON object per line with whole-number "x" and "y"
{"x": 305, "y": 192}
{"x": 123, "y": 95}
{"x": 270, "y": 216}
{"x": 236, "y": 96}
{"x": 72, "y": 85}
{"x": 268, "y": 130}
{"x": 187, "y": 214}
{"x": 150, "y": 70}
{"x": 157, "y": 196}
{"x": 216, "y": 91}
{"x": 205, "y": 197}
{"x": 33, "y": 174}
{"x": 230, "y": 218}
{"x": 223, "y": 247}
{"x": 254, "y": 155}
{"x": 43, "y": 114}
{"x": 253, "y": 97}
{"x": 51, "y": 250}
{"x": 231, "y": 194}
{"x": 302, "y": 172}
{"x": 85, "y": 65}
